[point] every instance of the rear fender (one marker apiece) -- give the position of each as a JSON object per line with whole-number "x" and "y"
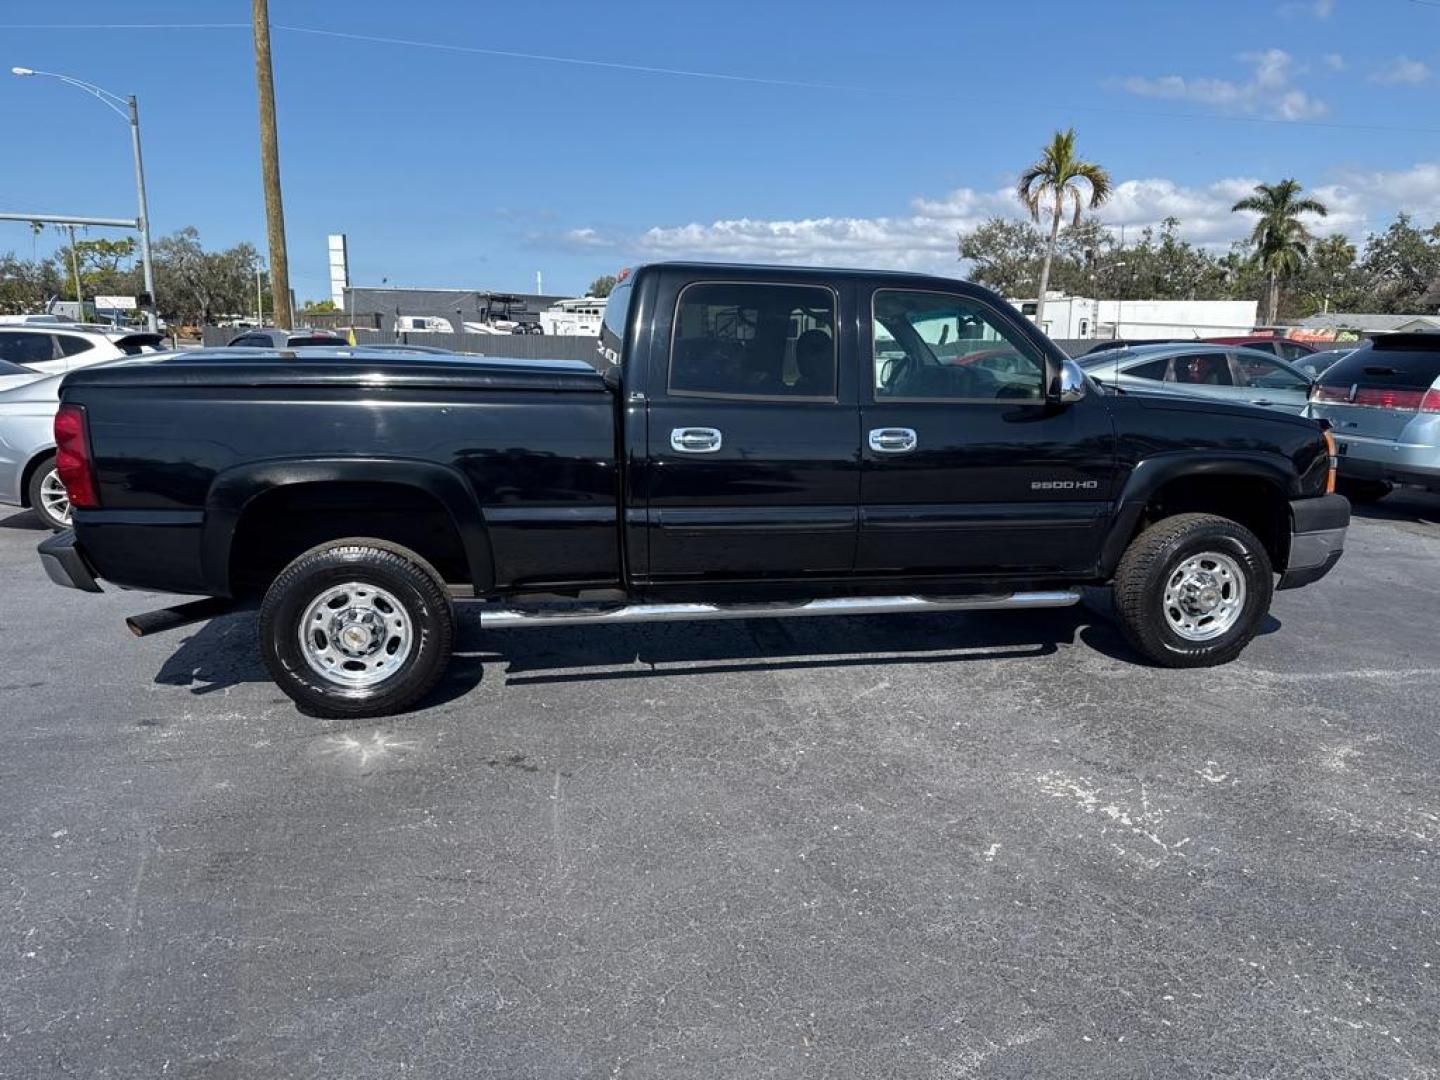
{"x": 234, "y": 489}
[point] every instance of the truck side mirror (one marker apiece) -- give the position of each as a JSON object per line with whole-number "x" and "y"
{"x": 1070, "y": 386}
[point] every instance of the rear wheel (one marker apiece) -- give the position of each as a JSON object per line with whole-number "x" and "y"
{"x": 1363, "y": 491}
{"x": 356, "y": 628}
{"x": 1191, "y": 590}
{"x": 48, "y": 497}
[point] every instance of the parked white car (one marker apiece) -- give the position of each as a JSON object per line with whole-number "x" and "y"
{"x": 55, "y": 348}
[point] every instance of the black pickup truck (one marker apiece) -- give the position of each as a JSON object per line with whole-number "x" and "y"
{"x": 751, "y": 442}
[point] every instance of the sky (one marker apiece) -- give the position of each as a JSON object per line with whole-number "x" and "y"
{"x": 471, "y": 143}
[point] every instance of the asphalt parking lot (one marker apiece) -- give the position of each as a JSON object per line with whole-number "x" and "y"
{"x": 929, "y": 846}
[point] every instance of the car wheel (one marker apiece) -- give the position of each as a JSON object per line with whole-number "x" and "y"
{"x": 1191, "y": 590}
{"x": 48, "y": 497}
{"x": 1363, "y": 491}
{"x": 356, "y": 628}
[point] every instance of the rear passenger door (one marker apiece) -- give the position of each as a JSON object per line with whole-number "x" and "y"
{"x": 967, "y": 469}
{"x": 751, "y": 465}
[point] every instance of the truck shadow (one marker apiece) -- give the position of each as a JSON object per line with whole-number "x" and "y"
{"x": 25, "y": 521}
{"x": 222, "y": 653}
{"x": 1407, "y": 505}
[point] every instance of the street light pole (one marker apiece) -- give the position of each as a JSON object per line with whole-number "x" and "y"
{"x": 147, "y": 267}
{"x": 129, "y": 111}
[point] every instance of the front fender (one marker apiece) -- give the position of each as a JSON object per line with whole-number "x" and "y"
{"x": 234, "y": 489}
{"x": 1153, "y": 473}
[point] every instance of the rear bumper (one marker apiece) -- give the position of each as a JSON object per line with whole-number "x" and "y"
{"x": 64, "y": 563}
{"x": 1317, "y": 538}
{"x": 1363, "y": 458}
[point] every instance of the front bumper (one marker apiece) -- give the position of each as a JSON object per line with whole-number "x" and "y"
{"x": 1317, "y": 538}
{"x": 65, "y": 564}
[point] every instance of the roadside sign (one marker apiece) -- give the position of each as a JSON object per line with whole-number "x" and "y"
{"x": 116, "y": 303}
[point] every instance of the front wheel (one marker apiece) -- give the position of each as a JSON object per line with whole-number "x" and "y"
{"x": 356, "y": 628}
{"x": 1192, "y": 589}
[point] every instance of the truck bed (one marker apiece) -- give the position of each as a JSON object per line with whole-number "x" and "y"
{"x": 175, "y": 446}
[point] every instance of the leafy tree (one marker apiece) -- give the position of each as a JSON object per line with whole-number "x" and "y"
{"x": 1280, "y": 238}
{"x": 101, "y": 272}
{"x": 1059, "y": 176}
{"x": 1004, "y": 255}
{"x": 26, "y": 284}
{"x": 1331, "y": 280}
{"x": 601, "y": 286}
{"x": 1400, "y": 267}
{"x": 319, "y": 307}
{"x": 194, "y": 286}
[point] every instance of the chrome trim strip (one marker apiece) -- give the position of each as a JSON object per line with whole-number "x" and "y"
{"x": 496, "y": 618}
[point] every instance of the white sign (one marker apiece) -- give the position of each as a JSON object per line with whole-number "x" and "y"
{"x": 115, "y": 303}
{"x": 339, "y": 268}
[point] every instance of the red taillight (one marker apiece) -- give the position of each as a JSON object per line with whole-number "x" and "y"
{"x": 1430, "y": 402}
{"x": 72, "y": 457}
{"x": 1388, "y": 397}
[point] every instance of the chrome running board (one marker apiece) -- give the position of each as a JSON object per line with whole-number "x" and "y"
{"x": 498, "y": 618}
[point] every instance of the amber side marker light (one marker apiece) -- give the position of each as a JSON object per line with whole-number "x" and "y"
{"x": 1334, "y": 460}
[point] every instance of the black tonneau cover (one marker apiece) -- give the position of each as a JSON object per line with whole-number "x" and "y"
{"x": 332, "y": 366}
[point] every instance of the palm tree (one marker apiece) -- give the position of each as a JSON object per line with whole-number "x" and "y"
{"x": 1054, "y": 179}
{"x": 1281, "y": 240}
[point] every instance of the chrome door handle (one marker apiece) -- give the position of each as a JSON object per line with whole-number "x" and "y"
{"x": 695, "y": 440}
{"x": 893, "y": 440}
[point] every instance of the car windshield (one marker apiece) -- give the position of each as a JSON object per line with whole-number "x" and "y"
{"x": 7, "y": 368}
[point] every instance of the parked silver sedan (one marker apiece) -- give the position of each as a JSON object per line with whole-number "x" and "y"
{"x": 27, "y": 451}
{"x": 1220, "y": 372}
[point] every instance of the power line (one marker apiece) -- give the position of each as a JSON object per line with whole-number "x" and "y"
{"x": 756, "y": 80}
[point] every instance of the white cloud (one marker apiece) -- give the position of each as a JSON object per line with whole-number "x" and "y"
{"x": 924, "y": 239}
{"x": 1402, "y": 70}
{"x": 1318, "y": 9}
{"x": 1334, "y": 61}
{"x": 1269, "y": 91}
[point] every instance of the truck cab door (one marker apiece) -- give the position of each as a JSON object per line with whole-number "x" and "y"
{"x": 967, "y": 469}
{"x": 751, "y": 468}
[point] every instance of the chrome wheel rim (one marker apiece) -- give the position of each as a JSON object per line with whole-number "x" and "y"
{"x": 54, "y": 500}
{"x": 1204, "y": 596}
{"x": 356, "y": 635}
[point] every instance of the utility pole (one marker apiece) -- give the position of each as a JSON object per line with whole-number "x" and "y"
{"x": 75, "y": 265}
{"x": 270, "y": 169}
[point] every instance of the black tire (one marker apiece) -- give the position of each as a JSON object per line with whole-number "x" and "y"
{"x": 401, "y": 577}
{"x": 1363, "y": 491}
{"x": 1156, "y": 556}
{"x": 35, "y": 493}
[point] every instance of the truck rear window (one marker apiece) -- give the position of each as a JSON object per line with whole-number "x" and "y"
{"x": 612, "y": 326}
{"x": 1407, "y": 364}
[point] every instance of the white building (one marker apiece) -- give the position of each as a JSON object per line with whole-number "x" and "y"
{"x": 1074, "y": 318}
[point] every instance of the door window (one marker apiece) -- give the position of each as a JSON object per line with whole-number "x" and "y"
{"x": 1260, "y": 371}
{"x": 1200, "y": 369}
{"x": 933, "y": 346}
{"x": 1158, "y": 370}
{"x": 754, "y": 341}
{"x": 26, "y": 348}
{"x": 71, "y": 345}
